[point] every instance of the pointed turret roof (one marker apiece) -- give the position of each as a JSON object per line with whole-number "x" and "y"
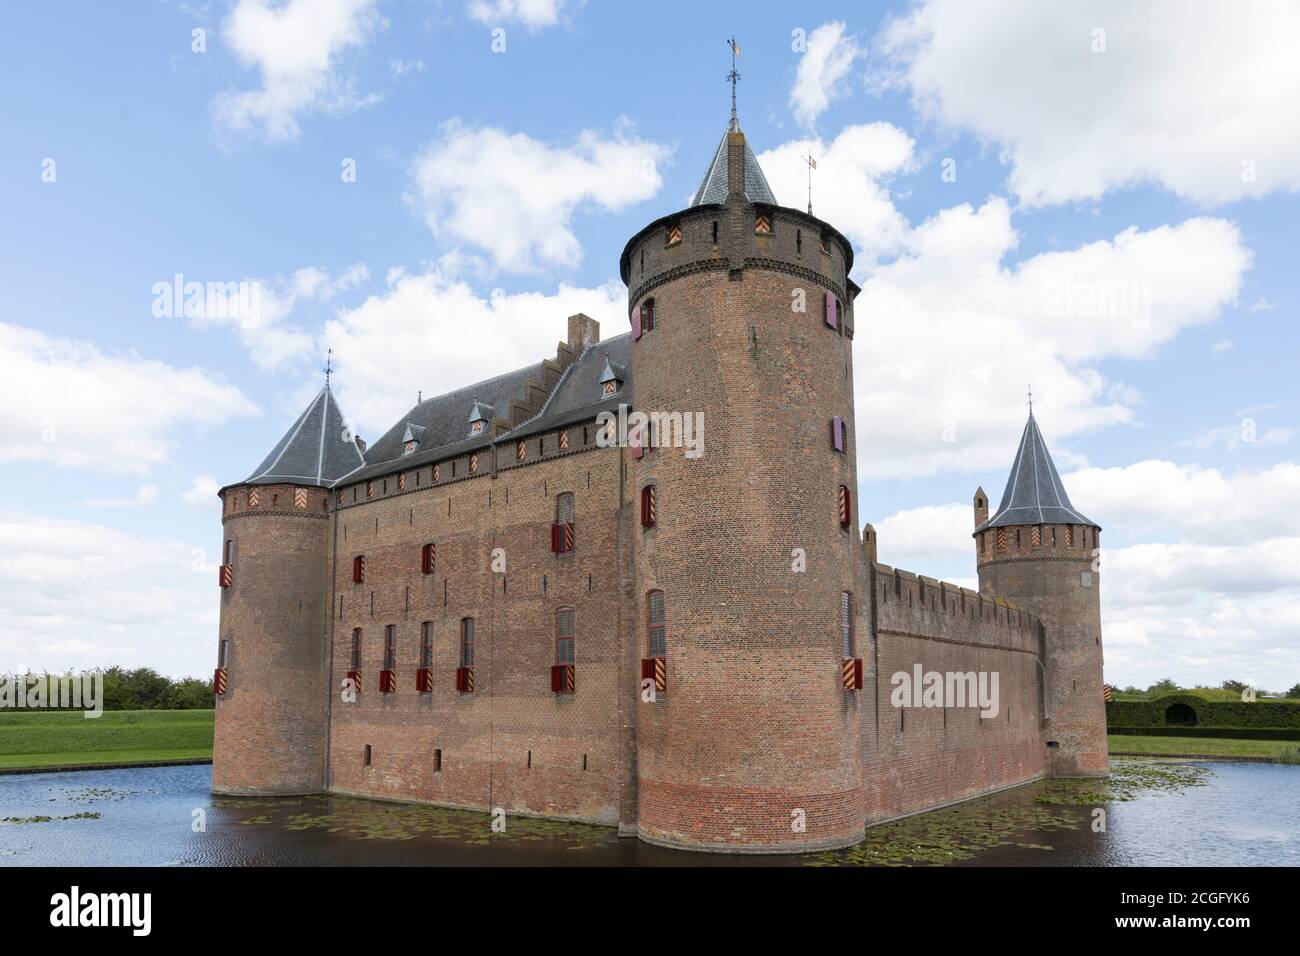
{"x": 318, "y": 449}
{"x": 714, "y": 187}
{"x": 1034, "y": 493}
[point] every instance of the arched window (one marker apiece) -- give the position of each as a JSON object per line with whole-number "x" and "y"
{"x": 846, "y": 623}
{"x": 656, "y": 625}
{"x": 466, "y": 642}
{"x": 648, "y": 315}
{"x": 562, "y": 529}
{"x": 359, "y": 569}
{"x": 564, "y": 639}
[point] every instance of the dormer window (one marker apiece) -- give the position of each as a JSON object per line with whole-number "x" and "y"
{"x": 763, "y": 224}
{"x": 612, "y": 378}
{"x": 479, "y": 416}
{"x": 411, "y": 438}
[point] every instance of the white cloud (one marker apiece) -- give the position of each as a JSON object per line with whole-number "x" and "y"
{"x": 848, "y": 171}
{"x": 1233, "y": 437}
{"x": 1190, "y": 94}
{"x": 66, "y": 402}
{"x": 296, "y": 47}
{"x": 144, "y": 496}
{"x": 1223, "y": 345}
{"x": 202, "y": 493}
{"x": 942, "y": 380}
{"x": 402, "y": 67}
{"x": 533, "y": 14}
{"x": 80, "y": 595}
{"x": 435, "y": 333}
{"x": 260, "y": 316}
{"x": 516, "y": 197}
{"x": 936, "y": 533}
{"x": 819, "y": 77}
{"x": 1190, "y": 503}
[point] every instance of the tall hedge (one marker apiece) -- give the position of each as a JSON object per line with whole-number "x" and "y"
{"x": 1209, "y": 713}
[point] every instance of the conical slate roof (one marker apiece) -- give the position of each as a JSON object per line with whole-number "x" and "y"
{"x": 318, "y": 448}
{"x": 1034, "y": 493}
{"x": 714, "y": 187}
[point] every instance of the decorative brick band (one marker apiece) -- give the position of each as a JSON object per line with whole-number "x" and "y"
{"x": 676, "y": 272}
{"x": 276, "y": 514}
{"x": 800, "y": 272}
{"x": 1081, "y": 559}
{"x": 722, "y": 265}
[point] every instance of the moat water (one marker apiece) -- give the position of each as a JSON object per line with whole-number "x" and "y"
{"x": 1205, "y": 813}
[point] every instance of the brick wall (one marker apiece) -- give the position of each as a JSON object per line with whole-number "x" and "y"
{"x": 918, "y": 757}
{"x": 270, "y": 723}
{"x": 486, "y": 737}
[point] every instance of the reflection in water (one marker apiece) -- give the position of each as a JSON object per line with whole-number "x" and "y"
{"x": 1156, "y": 814}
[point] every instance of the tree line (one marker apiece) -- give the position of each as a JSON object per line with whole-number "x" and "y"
{"x": 1169, "y": 686}
{"x": 142, "y": 688}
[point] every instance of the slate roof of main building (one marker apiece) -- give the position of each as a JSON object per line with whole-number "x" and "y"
{"x": 313, "y": 450}
{"x": 1034, "y": 493}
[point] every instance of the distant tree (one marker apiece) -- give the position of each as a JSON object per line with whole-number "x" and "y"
{"x": 1235, "y": 686}
{"x": 1294, "y": 691}
{"x": 1165, "y": 685}
{"x": 1130, "y": 689}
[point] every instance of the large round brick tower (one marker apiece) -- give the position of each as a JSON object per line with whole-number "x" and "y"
{"x": 271, "y": 661}
{"x": 1037, "y": 551}
{"x": 741, "y": 315}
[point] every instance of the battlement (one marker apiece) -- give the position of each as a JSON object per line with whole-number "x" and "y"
{"x": 925, "y": 606}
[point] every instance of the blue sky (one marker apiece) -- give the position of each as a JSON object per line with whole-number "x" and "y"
{"x": 494, "y": 190}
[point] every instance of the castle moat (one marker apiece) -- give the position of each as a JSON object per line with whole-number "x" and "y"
{"x": 1204, "y": 813}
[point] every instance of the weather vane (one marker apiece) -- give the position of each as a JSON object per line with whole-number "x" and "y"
{"x": 1031, "y": 399}
{"x": 329, "y": 357}
{"x": 734, "y": 77}
{"x": 812, "y": 164}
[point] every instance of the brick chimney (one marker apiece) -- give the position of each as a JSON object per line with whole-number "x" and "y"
{"x": 583, "y": 331}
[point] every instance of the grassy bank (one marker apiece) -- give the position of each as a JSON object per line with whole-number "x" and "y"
{"x": 54, "y": 739}
{"x": 1200, "y": 746}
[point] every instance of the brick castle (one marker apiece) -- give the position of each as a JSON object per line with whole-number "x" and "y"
{"x": 668, "y": 623}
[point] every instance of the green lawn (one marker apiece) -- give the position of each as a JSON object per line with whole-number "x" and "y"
{"x": 1200, "y": 746}
{"x": 51, "y": 738}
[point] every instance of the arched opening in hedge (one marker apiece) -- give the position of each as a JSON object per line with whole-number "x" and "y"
{"x": 1180, "y": 715}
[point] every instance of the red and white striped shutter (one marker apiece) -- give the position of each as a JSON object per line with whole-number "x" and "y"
{"x": 636, "y": 323}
